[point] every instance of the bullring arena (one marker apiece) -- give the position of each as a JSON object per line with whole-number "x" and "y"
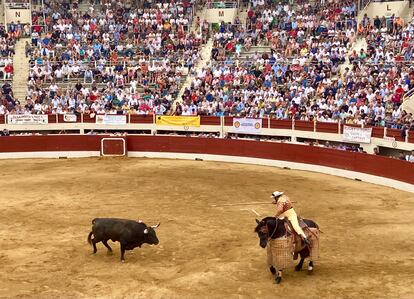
{"x": 205, "y": 250}
{"x": 190, "y": 114}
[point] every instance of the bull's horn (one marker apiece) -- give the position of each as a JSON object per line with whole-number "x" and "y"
{"x": 155, "y": 226}
{"x": 146, "y": 231}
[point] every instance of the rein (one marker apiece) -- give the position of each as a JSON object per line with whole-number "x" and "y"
{"x": 265, "y": 229}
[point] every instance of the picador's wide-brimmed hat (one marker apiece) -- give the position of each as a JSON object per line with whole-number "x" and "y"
{"x": 276, "y": 194}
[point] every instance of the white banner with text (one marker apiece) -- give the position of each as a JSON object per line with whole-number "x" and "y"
{"x": 30, "y": 119}
{"x": 110, "y": 119}
{"x": 69, "y": 118}
{"x": 247, "y": 125}
{"x": 360, "y": 135}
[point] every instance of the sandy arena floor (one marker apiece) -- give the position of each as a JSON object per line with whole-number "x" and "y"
{"x": 204, "y": 252}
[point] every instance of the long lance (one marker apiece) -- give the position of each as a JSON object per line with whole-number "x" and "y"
{"x": 243, "y": 204}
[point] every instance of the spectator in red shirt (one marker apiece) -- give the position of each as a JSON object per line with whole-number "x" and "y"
{"x": 8, "y": 71}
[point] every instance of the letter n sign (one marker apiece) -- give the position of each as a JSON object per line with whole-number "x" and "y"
{"x": 17, "y": 14}
{"x": 221, "y": 13}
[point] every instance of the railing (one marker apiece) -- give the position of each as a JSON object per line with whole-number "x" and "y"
{"x": 16, "y": 5}
{"x": 107, "y": 63}
{"x": 221, "y": 4}
{"x": 408, "y": 94}
{"x": 218, "y": 124}
{"x": 363, "y": 4}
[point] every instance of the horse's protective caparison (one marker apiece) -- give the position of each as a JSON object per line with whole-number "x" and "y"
{"x": 273, "y": 228}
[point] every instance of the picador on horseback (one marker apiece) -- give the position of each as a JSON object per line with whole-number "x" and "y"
{"x": 282, "y": 237}
{"x": 284, "y": 208}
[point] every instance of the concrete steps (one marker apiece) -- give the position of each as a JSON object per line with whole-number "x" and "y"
{"x": 205, "y": 55}
{"x": 21, "y": 70}
{"x": 360, "y": 43}
{"x": 204, "y": 60}
{"x": 242, "y": 15}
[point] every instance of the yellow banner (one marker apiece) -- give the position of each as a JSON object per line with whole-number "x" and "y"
{"x": 188, "y": 121}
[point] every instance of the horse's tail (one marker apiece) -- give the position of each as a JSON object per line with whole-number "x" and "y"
{"x": 312, "y": 224}
{"x": 317, "y": 226}
{"x": 90, "y": 238}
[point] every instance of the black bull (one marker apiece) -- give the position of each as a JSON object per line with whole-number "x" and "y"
{"x": 129, "y": 233}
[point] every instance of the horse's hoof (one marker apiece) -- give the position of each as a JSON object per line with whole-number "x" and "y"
{"x": 297, "y": 269}
{"x": 278, "y": 280}
{"x": 310, "y": 271}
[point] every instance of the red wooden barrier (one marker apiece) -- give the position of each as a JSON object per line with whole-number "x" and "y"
{"x": 304, "y": 125}
{"x": 88, "y": 119}
{"x": 51, "y": 143}
{"x": 396, "y": 134}
{"x": 51, "y": 118}
{"x": 411, "y": 136}
{"x": 142, "y": 119}
{"x": 281, "y": 124}
{"x": 228, "y": 121}
{"x": 210, "y": 121}
{"x": 364, "y": 163}
{"x": 327, "y": 127}
{"x": 378, "y": 132}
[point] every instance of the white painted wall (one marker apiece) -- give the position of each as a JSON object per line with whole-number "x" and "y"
{"x": 14, "y": 15}
{"x": 387, "y": 9}
{"x": 217, "y": 15}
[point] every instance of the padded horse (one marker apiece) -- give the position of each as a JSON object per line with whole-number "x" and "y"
{"x": 271, "y": 228}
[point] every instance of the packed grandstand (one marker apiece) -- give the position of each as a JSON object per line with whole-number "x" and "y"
{"x": 277, "y": 59}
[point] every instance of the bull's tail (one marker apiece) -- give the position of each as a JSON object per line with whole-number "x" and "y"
{"x": 90, "y": 238}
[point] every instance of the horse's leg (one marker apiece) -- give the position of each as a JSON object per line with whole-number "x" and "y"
{"x": 299, "y": 266}
{"x": 272, "y": 270}
{"x": 278, "y": 278}
{"x": 304, "y": 253}
{"x": 310, "y": 268}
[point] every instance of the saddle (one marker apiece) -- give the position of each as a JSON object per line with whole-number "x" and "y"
{"x": 297, "y": 240}
{"x": 302, "y": 224}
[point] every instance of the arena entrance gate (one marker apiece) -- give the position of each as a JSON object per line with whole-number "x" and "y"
{"x": 113, "y": 147}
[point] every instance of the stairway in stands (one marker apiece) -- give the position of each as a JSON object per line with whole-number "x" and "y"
{"x": 205, "y": 53}
{"x": 360, "y": 43}
{"x": 21, "y": 70}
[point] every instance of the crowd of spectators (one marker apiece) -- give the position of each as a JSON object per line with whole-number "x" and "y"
{"x": 121, "y": 57}
{"x": 301, "y": 77}
{"x": 308, "y": 42}
{"x": 7, "y": 44}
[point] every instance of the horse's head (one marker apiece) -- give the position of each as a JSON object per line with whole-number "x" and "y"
{"x": 264, "y": 229}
